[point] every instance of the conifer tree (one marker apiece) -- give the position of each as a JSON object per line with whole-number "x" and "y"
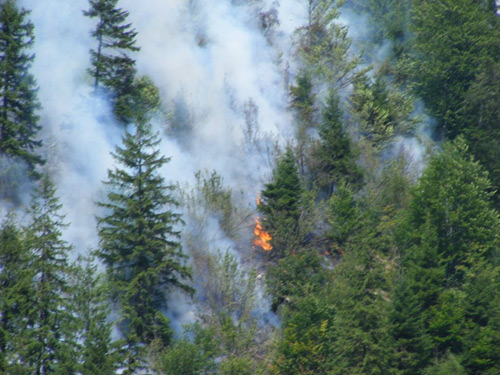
{"x": 51, "y": 346}
{"x": 450, "y": 241}
{"x": 98, "y": 355}
{"x": 112, "y": 67}
{"x": 334, "y": 155}
{"x": 139, "y": 239}
{"x": 15, "y": 286}
{"x": 18, "y": 93}
{"x": 281, "y": 205}
{"x": 362, "y": 344}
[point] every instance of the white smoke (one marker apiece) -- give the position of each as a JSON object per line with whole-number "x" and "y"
{"x": 211, "y": 58}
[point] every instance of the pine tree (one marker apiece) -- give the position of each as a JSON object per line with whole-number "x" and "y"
{"x": 51, "y": 346}
{"x": 15, "y": 286}
{"x": 98, "y": 355}
{"x": 138, "y": 238}
{"x": 18, "y": 93}
{"x": 112, "y": 68}
{"x": 281, "y": 205}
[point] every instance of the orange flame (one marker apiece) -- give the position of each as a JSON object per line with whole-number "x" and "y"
{"x": 263, "y": 237}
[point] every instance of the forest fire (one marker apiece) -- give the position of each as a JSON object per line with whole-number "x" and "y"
{"x": 263, "y": 237}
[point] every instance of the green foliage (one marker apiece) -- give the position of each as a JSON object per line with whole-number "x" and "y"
{"x": 111, "y": 66}
{"x": 451, "y": 234}
{"x": 18, "y": 93}
{"x": 382, "y": 113}
{"x": 388, "y": 21}
{"x": 230, "y": 293}
{"x": 98, "y": 355}
{"x": 237, "y": 365}
{"x": 50, "y": 345}
{"x": 141, "y": 101}
{"x": 333, "y": 158}
{"x": 323, "y": 44}
{"x": 343, "y": 217}
{"x": 281, "y": 205}
{"x": 363, "y": 344}
{"x": 15, "y": 284}
{"x": 138, "y": 237}
{"x": 307, "y": 337}
{"x": 295, "y": 276}
{"x": 452, "y": 41}
{"x": 453, "y": 197}
{"x": 302, "y": 100}
{"x": 448, "y": 365}
{"x": 192, "y": 357}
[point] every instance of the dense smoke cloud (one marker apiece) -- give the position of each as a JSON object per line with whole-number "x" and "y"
{"x": 212, "y": 57}
{"x": 222, "y": 78}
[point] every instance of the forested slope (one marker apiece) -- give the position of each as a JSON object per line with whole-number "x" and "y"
{"x": 249, "y": 187}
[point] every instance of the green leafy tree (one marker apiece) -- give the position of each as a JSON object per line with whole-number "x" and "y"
{"x": 323, "y": 44}
{"x": 382, "y": 112}
{"x": 112, "y": 67}
{"x": 281, "y": 205}
{"x": 192, "y": 357}
{"x": 139, "y": 240}
{"x": 18, "y": 93}
{"x": 51, "y": 345}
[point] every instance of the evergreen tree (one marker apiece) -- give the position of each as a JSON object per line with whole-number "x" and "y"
{"x": 98, "y": 355}
{"x": 51, "y": 346}
{"x": 363, "y": 344}
{"x": 281, "y": 205}
{"x": 112, "y": 68}
{"x": 454, "y": 197}
{"x": 452, "y": 41}
{"x": 302, "y": 100}
{"x": 138, "y": 238}
{"x": 15, "y": 286}
{"x": 18, "y": 93}
{"x": 334, "y": 156}
{"x": 450, "y": 240}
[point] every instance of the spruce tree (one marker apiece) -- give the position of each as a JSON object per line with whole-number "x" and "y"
{"x": 281, "y": 205}
{"x": 18, "y": 93}
{"x": 51, "y": 346}
{"x": 139, "y": 239}
{"x": 15, "y": 286}
{"x": 450, "y": 243}
{"x": 98, "y": 355}
{"x": 334, "y": 157}
{"x": 112, "y": 67}
{"x": 363, "y": 344}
